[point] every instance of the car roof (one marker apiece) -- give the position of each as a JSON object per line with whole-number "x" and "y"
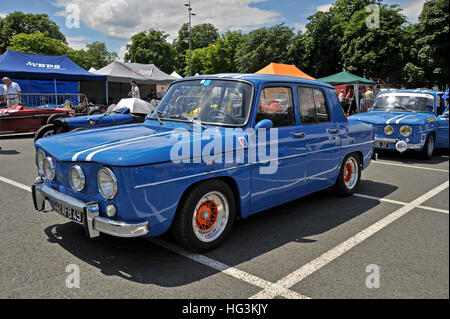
{"x": 434, "y": 92}
{"x": 260, "y": 78}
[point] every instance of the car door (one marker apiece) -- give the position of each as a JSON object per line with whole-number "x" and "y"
{"x": 285, "y": 180}
{"x": 322, "y": 136}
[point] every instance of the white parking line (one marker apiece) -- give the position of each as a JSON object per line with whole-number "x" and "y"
{"x": 214, "y": 264}
{"x": 231, "y": 271}
{"x": 387, "y": 200}
{"x": 324, "y": 259}
{"x": 410, "y": 166}
{"x": 13, "y": 183}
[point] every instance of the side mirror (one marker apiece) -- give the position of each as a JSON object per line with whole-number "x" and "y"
{"x": 263, "y": 124}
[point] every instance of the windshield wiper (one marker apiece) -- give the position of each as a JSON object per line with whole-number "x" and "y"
{"x": 402, "y": 107}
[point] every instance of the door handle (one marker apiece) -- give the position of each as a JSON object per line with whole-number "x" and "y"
{"x": 299, "y": 134}
{"x": 333, "y": 130}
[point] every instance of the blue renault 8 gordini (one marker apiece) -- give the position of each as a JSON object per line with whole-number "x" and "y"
{"x": 408, "y": 120}
{"x": 217, "y": 148}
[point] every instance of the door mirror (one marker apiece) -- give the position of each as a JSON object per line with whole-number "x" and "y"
{"x": 263, "y": 124}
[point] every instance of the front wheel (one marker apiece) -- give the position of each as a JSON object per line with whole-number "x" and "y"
{"x": 349, "y": 175}
{"x": 205, "y": 216}
{"x": 45, "y": 131}
{"x": 428, "y": 148}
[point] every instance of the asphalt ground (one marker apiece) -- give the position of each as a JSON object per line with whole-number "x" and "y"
{"x": 395, "y": 228}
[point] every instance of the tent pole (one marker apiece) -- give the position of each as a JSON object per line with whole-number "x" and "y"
{"x": 106, "y": 86}
{"x": 356, "y": 88}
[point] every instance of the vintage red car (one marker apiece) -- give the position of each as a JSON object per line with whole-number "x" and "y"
{"x": 20, "y": 119}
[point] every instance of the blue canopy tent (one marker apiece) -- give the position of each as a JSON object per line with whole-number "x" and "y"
{"x": 38, "y": 73}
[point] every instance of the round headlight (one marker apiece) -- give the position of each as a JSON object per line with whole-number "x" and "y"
{"x": 49, "y": 168}
{"x": 107, "y": 183}
{"x": 40, "y": 158}
{"x": 77, "y": 178}
{"x": 405, "y": 130}
{"x": 388, "y": 130}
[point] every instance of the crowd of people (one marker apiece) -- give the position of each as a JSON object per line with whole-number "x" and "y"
{"x": 348, "y": 99}
{"x": 153, "y": 95}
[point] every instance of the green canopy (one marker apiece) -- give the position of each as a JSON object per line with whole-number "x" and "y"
{"x": 344, "y": 77}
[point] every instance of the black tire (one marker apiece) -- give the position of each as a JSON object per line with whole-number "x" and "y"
{"x": 183, "y": 230}
{"x": 51, "y": 119}
{"x": 428, "y": 148}
{"x": 46, "y": 130}
{"x": 347, "y": 183}
{"x": 93, "y": 112}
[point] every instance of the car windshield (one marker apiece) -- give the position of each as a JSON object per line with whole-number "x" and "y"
{"x": 207, "y": 101}
{"x": 412, "y": 102}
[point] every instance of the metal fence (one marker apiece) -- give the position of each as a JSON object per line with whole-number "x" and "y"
{"x": 68, "y": 100}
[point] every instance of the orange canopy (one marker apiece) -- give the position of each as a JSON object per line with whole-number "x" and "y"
{"x": 284, "y": 69}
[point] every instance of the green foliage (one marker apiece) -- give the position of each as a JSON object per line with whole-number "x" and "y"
{"x": 262, "y": 46}
{"x": 98, "y": 55}
{"x": 39, "y": 43}
{"x": 215, "y": 58}
{"x": 376, "y": 51}
{"x": 17, "y": 22}
{"x": 202, "y": 35}
{"x": 151, "y": 47}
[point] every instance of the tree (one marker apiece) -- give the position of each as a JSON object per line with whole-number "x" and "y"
{"x": 38, "y": 43}
{"x": 431, "y": 42}
{"x": 216, "y": 58}
{"x": 202, "y": 35}
{"x": 376, "y": 51}
{"x": 17, "y": 22}
{"x": 263, "y": 46}
{"x": 151, "y": 47}
{"x": 98, "y": 55}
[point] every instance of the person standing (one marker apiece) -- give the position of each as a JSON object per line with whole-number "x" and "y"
{"x": 369, "y": 93}
{"x": 134, "y": 90}
{"x": 161, "y": 93}
{"x": 2, "y": 95}
{"x": 13, "y": 92}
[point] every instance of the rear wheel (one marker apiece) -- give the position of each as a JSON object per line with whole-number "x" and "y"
{"x": 428, "y": 149}
{"x": 205, "y": 216}
{"x": 349, "y": 175}
{"x": 53, "y": 117}
{"x": 44, "y": 131}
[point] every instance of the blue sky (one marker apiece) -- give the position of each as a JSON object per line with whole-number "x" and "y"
{"x": 114, "y": 21}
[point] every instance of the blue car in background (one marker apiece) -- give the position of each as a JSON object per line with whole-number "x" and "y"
{"x": 127, "y": 111}
{"x": 215, "y": 150}
{"x": 408, "y": 120}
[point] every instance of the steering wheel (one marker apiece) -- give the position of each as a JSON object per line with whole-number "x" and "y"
{"x": 214, "y": 113}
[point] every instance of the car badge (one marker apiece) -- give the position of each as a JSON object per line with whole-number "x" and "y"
{"x": 242, "y": 141}
{"x": 91, "y": 122}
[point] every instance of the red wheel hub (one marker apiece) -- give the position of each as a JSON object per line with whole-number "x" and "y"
{"x": 206, "y": 215}
{"x": 348, "y": 172}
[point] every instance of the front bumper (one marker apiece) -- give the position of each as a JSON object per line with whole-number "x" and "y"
{"x": 92, "y": 222}
{"x": 391, "y": 142}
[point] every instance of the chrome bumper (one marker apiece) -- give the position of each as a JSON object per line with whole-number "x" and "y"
{"x": 92, "y": 222}
{"x": 394, "y": 140}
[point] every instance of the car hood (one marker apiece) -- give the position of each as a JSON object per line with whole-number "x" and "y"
{"x": 383, "y": 118}
{"x": 128, "y": 145}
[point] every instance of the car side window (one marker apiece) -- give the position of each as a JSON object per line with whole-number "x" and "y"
{"x": 307, "y": 105}
{"x": 276, "y": 104}
{"x": 321, "y": 106}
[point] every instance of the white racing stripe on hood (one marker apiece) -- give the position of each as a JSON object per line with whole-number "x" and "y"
{"x": 89, "y": 157}
{"x": 393, "y": 118}
{"x": 118, "y": 143}
{"x": 401, "y": 119}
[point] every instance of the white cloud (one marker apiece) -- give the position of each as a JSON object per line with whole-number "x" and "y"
{"x": 324, "y": 7}
{"x": 77, "y": 43}
{"x": 300, "y": 26}
{"x": 121, "y": 53}
{"x": 3, "y": 15}
{"x": 120, "y": 19}
{"x": 412, "y": 10}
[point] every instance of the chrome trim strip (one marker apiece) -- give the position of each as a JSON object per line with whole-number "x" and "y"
{"x": 245, "y": 165}
{"x": 190, "y": 176}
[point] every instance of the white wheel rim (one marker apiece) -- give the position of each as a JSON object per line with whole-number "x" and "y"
{"x": 351, "y": 173}
{"x": 210, "y": 216}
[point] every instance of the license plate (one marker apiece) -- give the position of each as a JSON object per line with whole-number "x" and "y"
{"x": 68, "y": 212}
{"x": 382, "y": 144}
